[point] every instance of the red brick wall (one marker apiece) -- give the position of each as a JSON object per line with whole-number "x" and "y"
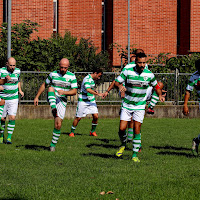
{"x": 83, "y": 18}
{"x": 36, "y": 11}
{"x": 153, "y": 26}
{"x": 195, "y": 26}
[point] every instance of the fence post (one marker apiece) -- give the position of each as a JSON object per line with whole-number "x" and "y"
{"x": 176, "y": 87}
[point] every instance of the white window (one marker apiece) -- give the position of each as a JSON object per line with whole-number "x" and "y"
{"x": 55, "y": 16}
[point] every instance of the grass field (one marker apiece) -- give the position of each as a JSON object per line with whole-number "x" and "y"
{"x": 84, "y": 166}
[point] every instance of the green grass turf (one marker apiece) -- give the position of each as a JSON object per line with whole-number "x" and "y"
{"x": 83, "y": 166}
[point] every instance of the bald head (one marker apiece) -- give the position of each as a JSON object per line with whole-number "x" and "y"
{"x": 11, "y": 64}
{"x": 64, "y": 64}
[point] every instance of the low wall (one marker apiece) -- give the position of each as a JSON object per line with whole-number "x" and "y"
{"x": 105, "y": 111}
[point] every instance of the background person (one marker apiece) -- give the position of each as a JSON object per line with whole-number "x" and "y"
{"x": 86, "y": 101}
{"x": 61, "y": 83}
{"x": 10, "y": 94}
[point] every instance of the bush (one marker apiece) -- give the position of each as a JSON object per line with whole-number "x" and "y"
{"x": 45, "y": 54}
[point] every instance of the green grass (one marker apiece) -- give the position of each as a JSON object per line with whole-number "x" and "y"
{"x": 84, "y": 166}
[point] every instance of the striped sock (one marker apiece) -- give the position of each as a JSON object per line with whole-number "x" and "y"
{"x": 3, "y": 126}
{"x": 52, "y": 99}
{"x": 56, "y": 135}
{"x": 154, "y": 100}
{"x": 93, "y": 127}
{"x": 73, "y": 129}
{"x": 130, "y": 134}
{"x": 136, "y": 144}
{"x": 10, "y": 127}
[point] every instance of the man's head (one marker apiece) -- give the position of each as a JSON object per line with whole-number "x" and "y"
{"x": 11, "y": 64}
{"x": 133, "y": 57}
{"x": 97, "y": 73}
{"x": 64, "y": 64}
{"x": 197, "y": 65}
{"x": 140, "y": 62}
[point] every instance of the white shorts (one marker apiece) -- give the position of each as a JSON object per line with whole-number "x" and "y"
{"x": 136, "y": 115}
{"x": 61, "y": 107}
{"x": 149, "y": 92}
{"x": 10, "y": 107}
{"x": 84, "y": 109}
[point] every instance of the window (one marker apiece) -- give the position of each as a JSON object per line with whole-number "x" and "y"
{"x": 55, "y": 16}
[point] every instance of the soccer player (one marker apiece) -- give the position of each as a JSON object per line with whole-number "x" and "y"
{"x": 137, "y": 79}
{"x": 194, "y": 82}
{"x": 86, "y": 101}
{"x": 10, "y": 94}
{"x": 61, "y": 83}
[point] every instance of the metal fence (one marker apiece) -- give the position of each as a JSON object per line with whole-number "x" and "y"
{"x": 174, "y": 84}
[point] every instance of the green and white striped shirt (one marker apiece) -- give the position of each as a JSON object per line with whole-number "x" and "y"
{"x": 85, "y": 96}
{"x": 193, "y": 83}
{"x": 11, "y": 87}
{"x": 60, "y": 82}
{"x": 136, "y": 86}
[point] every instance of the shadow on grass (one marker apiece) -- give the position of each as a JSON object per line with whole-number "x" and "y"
{"x": 34, "y": 147}
{"x": 13, "y": 198}
{"x": 107, "y": 140}
{"x": 67, "y": 133}
{"x": 188, "y": 155}
{"x": 107, "y": 156}
{"x": 171, "y": 147}
{"x": 107, "y": 146}
{"x": 176, "y": 154}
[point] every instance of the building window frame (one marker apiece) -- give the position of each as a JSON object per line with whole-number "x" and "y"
{"x": 55, "y": 16}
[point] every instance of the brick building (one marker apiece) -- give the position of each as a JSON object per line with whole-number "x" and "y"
{"x": 167, "y": 26}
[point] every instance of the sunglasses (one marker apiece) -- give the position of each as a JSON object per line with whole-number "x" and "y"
{"x": 11, "y": 65}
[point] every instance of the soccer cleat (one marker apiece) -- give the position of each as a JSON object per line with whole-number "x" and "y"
{"x": 140, "y": 149}
{"x": 135, "y": 159}
{"x": 150, "y": 111}
{"x": 9, "y": 141}
{"x": 52, "y": 149}
{"x": 1, "y": 140}
{"x": 120, "y": 151}
{"x": 54, "y": 112}
{"x": 195, "y": 145}
{"x": 93, "y": 134}
{"x": 71, "y": 135}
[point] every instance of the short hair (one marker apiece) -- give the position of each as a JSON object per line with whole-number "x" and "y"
{"x": 97, "y": 70}
{"x": 138, "y": 51}
{"x": 140, "y": 55}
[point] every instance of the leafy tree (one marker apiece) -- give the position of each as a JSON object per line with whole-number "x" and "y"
{"x": 45, "y": 54}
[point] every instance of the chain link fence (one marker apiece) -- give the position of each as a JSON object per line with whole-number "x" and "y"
{"x": 174, "y": 84}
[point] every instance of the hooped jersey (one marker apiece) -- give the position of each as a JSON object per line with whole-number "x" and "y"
{"x": 136, "y": 86}
{"x": 11, "y": 87}
{"x": 194, "y": 83}
{"x": 62, "y": 82}
{"x": 87, "y": 83}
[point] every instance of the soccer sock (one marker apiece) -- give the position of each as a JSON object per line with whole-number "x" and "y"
{"x": 154, "y": 100}
{"x": 11, "y": 127}
{"x": 73, "y": 129}
{"x": 93, "y": 127}
{"x": 136, "y": 144}
{"x": 56, "y": 135}
{"x": 122, "y": 136}
{"x": 130, "y": 134}
{"x": 52, "y": 100}
{"x": 3, "y": 126}
{"x": 1, "y": 112}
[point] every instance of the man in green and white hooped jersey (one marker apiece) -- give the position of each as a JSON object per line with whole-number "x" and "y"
{"x": 61, "y": 83}
{"x": 137, "y": 79}
{"x": 86, "y": 101}
{"x": 11, "y": 97}
{"x": 194, "y": 82}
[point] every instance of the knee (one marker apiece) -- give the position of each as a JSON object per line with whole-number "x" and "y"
{"x": 12, "y": 117}
{"x": 51, "y": 89}
{"x": 58, "y": 126}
